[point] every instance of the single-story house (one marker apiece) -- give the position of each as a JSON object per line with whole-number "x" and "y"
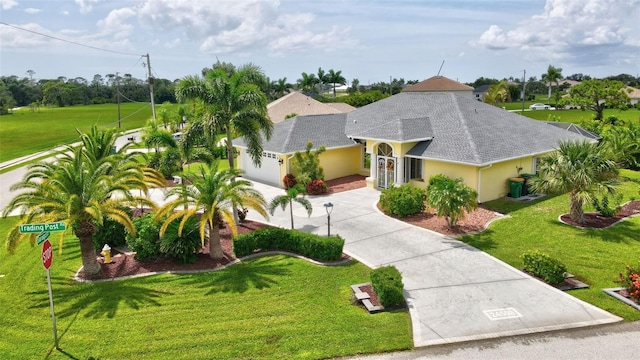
{"x": 408, "y": 137}
{"x": 634, "y": 95}
{"x": 478, "y": 93}
{"x": 440, "y": 84}
{"x": 301, "y": 104}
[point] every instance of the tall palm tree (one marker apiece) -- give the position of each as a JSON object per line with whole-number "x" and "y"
{"x": 80, "y": 189}
{"x": 281, "y": 87}
{"x": 212, "y": 196}
{"x": 288, "y": 199}
{"x": 234, "y": 103}
{"x": 335, "y": 77}
{"x": 552, "y": 76}
{"x": 580, "y": 168}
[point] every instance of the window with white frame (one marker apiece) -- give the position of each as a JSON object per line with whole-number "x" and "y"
{"x": 412, "y": 169}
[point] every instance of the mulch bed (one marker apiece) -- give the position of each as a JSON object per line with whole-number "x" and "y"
{"x": 597, "y": 221}
{"x": 345, "y": 183}
{"x": 373, "y": 297}
{"x": 127, "y": 265}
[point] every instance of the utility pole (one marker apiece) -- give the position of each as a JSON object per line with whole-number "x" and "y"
{"x": 524, "y": 76}
{"x": 153, "y": 106}
{"x": 118, "y": 96}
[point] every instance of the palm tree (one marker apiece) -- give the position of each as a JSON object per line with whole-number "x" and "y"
{"x": 580, "y": 168}
{"x": 450, "y": 198}
{"x": 81, "y": 189}
{"x": 281, "y": 87}
{"x": 335, "y": 77}
{"x": 552, "y": 76}
{"x": 212, "y": 196}
{"x": 497, "y": 93}
{"x": 234, "y": 104}
{"x": 307, "y": 82}
{"x": 292, "y": 195}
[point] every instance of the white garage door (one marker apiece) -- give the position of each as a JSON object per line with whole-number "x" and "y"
{"x": 268, "y": 172}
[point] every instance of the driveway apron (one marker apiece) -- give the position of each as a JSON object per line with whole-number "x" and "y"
{"x": 455, "y": 292}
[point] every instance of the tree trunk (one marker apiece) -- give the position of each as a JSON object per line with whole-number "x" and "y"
{"x": 576, "y": 212}
{"x": 215, "y": 247}
{"x": 231, "y": 166}
{"x": 291, "y": 212}
{"x": 90, "y": 263}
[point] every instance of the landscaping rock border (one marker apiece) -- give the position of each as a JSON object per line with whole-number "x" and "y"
{"x": 614, "y": 292}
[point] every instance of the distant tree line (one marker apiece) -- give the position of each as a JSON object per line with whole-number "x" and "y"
{"x": 18, "y": 92}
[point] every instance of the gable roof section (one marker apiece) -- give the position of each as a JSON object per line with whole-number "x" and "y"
{"x": 341, "y": 107}
{"x": 575, "y": 129}
{"x": 400, "y": 130}
{"x": 438, "y": 83}
{"x": 299, "y": 104}
{"x": 481, "y": 89}
{"x": 294, "y": 134}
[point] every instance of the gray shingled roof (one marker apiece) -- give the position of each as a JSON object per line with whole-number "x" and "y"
{"x": 293, "y": 134}
{"x": 462, "y": 129}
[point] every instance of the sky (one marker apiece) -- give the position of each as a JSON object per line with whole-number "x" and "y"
{"x": 371, "y": 40}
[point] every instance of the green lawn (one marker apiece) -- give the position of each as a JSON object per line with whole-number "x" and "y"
{"x": 273, "y": 307}
{"x": 594, "y": 256}
{"x": 26, "y": 132}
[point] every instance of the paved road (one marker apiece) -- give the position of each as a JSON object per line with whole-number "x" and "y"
{"x": 455, "y": 292}
{"x": 619, "y": 342}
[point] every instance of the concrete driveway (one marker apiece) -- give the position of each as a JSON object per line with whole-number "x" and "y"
{"x": 455, "y": 292}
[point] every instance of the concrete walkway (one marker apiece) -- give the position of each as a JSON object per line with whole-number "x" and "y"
{"x": 454, "y": 291}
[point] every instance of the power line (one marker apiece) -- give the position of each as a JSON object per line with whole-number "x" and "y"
{"x": 69, "y": 41}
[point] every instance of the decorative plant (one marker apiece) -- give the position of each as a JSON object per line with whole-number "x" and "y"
{"x": 604, "y": 206}
{"x": 402, "y": 200}
{"x": 544, "y": 266}
{"x": 450, "y": 198}
{"x": 289, "y": 181}
{"x": 631, "y": 282}
{"x": 316, "y": 187}
{"x": 306, "y": 166}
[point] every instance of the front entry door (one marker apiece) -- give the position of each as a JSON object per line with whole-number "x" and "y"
{"x": 386, "y": 171}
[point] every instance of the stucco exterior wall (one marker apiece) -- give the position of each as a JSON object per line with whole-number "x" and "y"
{"x": 467, "y": 172}
{"x": 341, "y": 162}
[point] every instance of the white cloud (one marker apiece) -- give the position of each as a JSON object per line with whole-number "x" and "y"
{"x": 11, "y": 37}
{"x": 8, "y": 4}
{"x": 115, "y": 23}
{"x": 86, "y": 5}
{"x": 32, "y": 10}
{"x": 572, "y": 30}
{"x": 240, "y": 26}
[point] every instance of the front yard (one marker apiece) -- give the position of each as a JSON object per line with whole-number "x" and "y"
{"x": 595, "y": 257}
{"x": 274, "y": 307}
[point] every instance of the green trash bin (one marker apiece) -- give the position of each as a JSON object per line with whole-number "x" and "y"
{"x": 515, "y": 187}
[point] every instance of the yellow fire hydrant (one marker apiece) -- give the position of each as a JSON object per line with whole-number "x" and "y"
{"x": 106, "y": 252}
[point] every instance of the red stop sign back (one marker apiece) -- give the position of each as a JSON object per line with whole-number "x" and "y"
{"x": 47, "y": 254}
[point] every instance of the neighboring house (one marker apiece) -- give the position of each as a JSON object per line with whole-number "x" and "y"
{"x": 570, "y": 83}
{"x": 440, "y": 84}
{"x": 408, "y": 137}
{"x": 341, "y": 107}
{"x": 478, "y": 93}
{"x": 634, "y": 95}
{"x": 299, "y": 104}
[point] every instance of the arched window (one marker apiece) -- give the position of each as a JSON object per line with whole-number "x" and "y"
{"x": 385, "y": 150}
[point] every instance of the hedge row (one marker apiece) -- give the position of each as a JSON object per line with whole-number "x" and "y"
{"x": 545, "y": 267}
{"x": 387, "y": 283}
{"x": 310, "y": 245}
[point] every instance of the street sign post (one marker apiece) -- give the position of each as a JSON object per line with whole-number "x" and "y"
{"x": 47, "y": 259}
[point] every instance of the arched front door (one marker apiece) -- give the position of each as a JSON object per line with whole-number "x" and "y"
{"x": 386, "y": 166}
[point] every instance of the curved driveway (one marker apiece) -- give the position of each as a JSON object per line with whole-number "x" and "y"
{"x": 455, "y": 292}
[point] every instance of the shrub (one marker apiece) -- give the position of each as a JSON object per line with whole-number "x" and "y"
{"x": 402, "y": 200}
{"x": 110, "y": 232}
{"x": 316, "y": 187}
{"x": 631, "y": 283}
{"x": 182, "y": 247}
{"x": 604, "y": 207}
{"x": 306, "y": 165}
{"x": 387, "y": 283}
{"x": 289, "y": 181}
{"x": 545, "y": 267}
{"x": 310, "y": 245}
{"x": 146, "y": 243}
{"x": 450, "y": 198}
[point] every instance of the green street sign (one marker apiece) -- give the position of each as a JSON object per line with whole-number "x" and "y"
{"x": 38, "y": 228}
{"x": 42, "y": 237}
